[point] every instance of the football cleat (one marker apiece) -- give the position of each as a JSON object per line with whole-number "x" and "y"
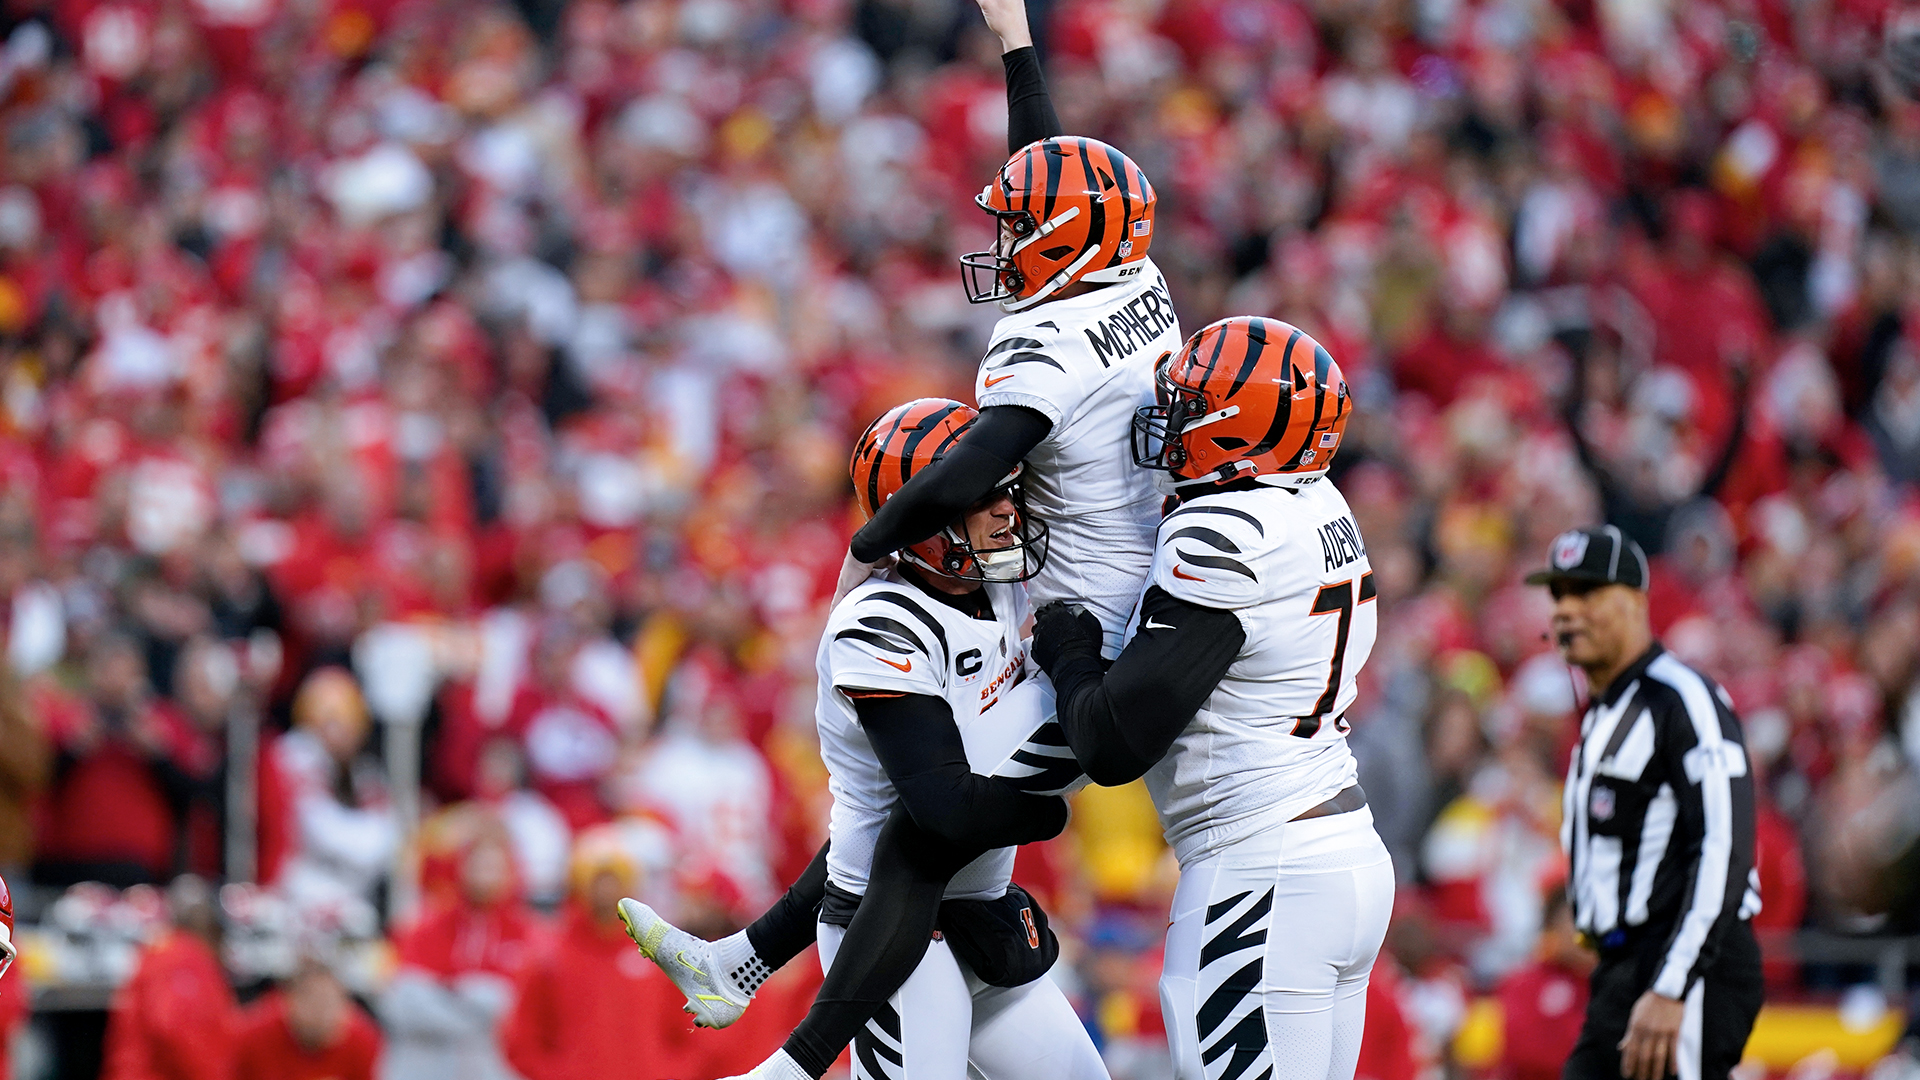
{"x": 712, "y": 998}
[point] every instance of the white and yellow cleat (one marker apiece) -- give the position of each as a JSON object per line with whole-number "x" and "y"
{"x": 713, "y": 1000}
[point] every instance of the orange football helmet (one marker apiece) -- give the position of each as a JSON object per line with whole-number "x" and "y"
{"x": 1069, "y": 209}
{"x": 910, "y": 437}
{"x": 1244, "y": 397}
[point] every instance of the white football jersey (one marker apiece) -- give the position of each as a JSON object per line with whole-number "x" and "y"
{"x": 1087, "y": 363}
{"x": 888, "y": 635}
{"x": 1271, "y": 741}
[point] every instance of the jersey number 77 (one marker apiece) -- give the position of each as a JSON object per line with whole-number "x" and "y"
{"x": 1339, "y": 598}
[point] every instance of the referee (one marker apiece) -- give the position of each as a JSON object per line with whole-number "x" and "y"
{"x": 1658, "y": 831}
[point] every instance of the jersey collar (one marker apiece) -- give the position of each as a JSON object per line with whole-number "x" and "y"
{"x": 974, "y": 605}
{"x": 1634, "y": 670}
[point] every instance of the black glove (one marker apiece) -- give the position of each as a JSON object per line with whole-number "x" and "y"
{"x": 1061, "y": 629}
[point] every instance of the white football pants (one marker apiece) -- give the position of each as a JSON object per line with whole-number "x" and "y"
{"x": 1268, "y": 954}
{"x": 944, "y": 1018}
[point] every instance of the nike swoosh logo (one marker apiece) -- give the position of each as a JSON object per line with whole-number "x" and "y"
{"x": 1151, "y": 625}
{"x": 688, "y": 964}
{"x": 995, "y": 380}
{"x": 908, "y": 666}
{"x": 1184, "y": 576}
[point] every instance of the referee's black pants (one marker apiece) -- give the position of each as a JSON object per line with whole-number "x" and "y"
{"x": 1720, "y": 1010}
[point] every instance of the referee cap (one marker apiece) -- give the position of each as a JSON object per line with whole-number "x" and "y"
{"x": 1601, "y": 555}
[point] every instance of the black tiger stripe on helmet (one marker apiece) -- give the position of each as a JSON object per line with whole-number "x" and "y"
{"x": 909, "y": 438}
{"x": 1069, "y": 209}
{"x": 1231, "y": 405}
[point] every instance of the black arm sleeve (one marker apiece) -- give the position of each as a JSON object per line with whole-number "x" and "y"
{"x": 884, "y": 942}
{"x": 1611, "y": 493}
{"x": 941, "y": 492}
{"x": 916, "y": 741}
{"x": 1122, "y": 722}
{"x": 1736, "y": 440}
{"x": 786, "y": 929}
{"x": 1030, "y": 115}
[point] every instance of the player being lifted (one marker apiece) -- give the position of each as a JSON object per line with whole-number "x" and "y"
{"x": 922, "y": 691}
{"x": 1087, "y": 313}
{"x": 1230, "y": 698}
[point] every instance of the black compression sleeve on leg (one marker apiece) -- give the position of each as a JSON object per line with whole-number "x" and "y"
{"x": 789, "y": 926}
{"x": 937, "y": 495}
{"x": 883, "y": 944}
{"x": 1030, "y": 115}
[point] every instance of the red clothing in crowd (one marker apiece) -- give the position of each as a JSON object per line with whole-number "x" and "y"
{"x": 13, "y": 1014}
{"x": 1544, "y": 1004}
{"x": 592, "y": 1008}
{"x": 1442, "y": 365}
{"x": 1386, "y": 1047}
{"x": 175, "y": 1018}
{"x": 1783, "y": 890}
{"x": 458, "y": 938}
{"x": 267, "y": 1050}
{"x": 571, "y": 744}
{"x": 108, "y": 804}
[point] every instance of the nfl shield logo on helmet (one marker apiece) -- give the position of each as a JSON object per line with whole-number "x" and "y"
{"x": 1126, "y": 248}
{"x": 1602, "y": 805}
{"x": 1569, "y": 549}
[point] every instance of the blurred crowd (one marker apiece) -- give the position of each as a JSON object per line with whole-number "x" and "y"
{"x": 420, "y": 411}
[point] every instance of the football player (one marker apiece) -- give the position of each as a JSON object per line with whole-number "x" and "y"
{"x": 1230, "y": 698}
{"x": 922, "y": 691}
{"x": 1086, "y": 315}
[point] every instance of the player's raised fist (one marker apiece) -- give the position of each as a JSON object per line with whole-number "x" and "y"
{"x": 1008, "y": 19}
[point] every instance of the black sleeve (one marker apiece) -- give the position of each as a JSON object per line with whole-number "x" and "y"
{"x": 1030, "y": 115}
{"x": 1611, "y": 493}
{"x": 1736, "y": 439}
{"x": 788, "y": 927}
{"x": 916, "y": 741}
{"x": 1698, "y": 737}
{"x": 1120, "y": 723}
{"x": 883, "y": 944}
{"x": 941, "y": 492}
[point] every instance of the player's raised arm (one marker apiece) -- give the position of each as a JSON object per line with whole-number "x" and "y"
{"x": 1030, "y": 115}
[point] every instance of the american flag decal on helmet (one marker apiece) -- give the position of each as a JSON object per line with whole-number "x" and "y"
{"x": 1142, "y": 228}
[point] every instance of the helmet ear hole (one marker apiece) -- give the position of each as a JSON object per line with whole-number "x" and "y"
{"x": 1230, "y": 442}
{"x": 1054, "y": 253}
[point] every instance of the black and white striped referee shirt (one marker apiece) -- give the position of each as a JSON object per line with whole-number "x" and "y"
{"x": 1658, "y": 824}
